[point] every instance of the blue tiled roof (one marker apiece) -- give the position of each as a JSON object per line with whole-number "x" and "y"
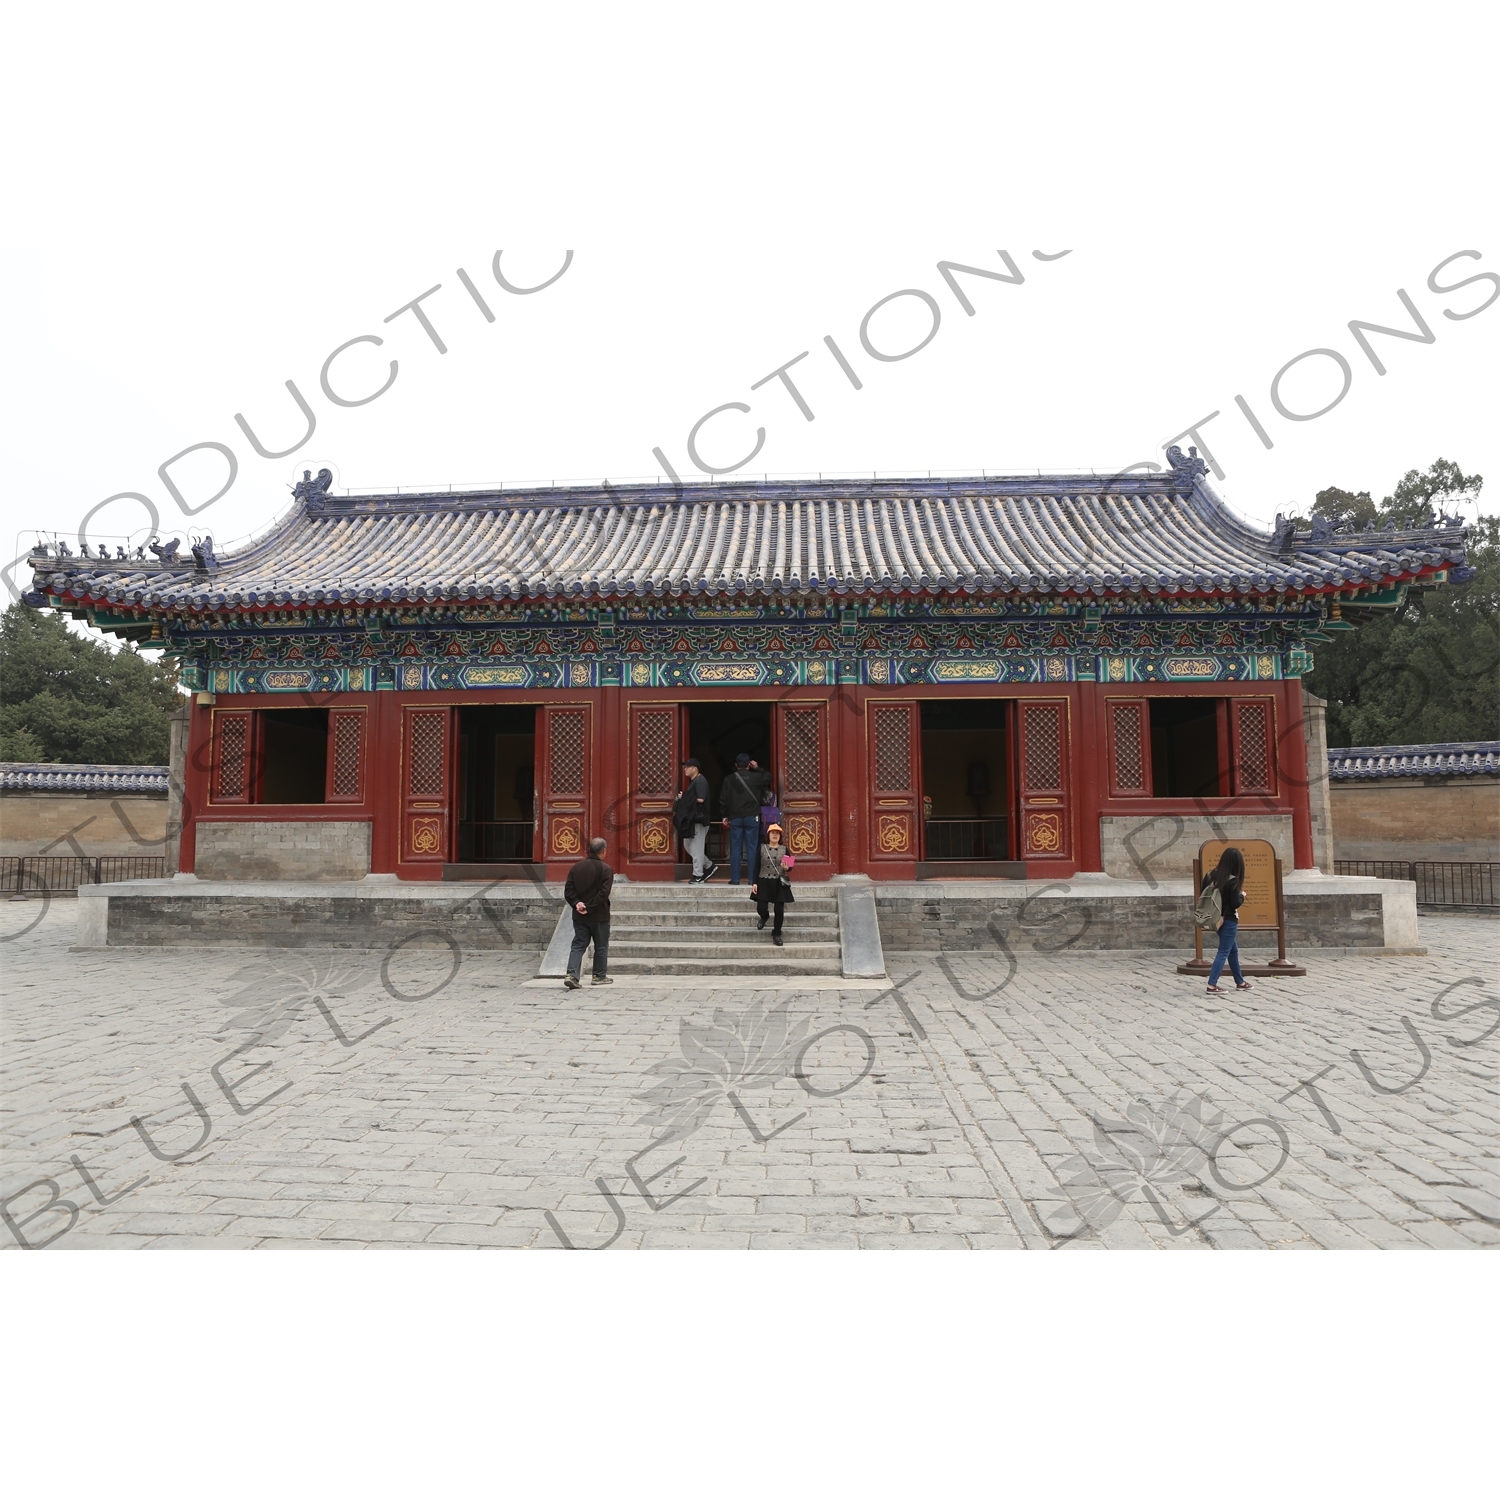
{"x": 29, "y": 777}
{"x": 1466, "y": 758}
{"x": 1080, "y": 534}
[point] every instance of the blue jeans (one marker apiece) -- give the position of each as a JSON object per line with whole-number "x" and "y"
{"x": 744, "y": 838}
{"x": 584, "y": 933}
{"x": 1229, "y": 948}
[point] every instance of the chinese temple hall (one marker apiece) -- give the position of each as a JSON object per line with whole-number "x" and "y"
{"x": 993, "y": 676}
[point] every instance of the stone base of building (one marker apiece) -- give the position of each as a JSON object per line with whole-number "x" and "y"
{"x": 1329, "y": 915}
{"x": 378, "y": 913}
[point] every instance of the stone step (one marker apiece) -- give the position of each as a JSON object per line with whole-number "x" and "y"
{"x": 727, "y": 968}
{"x": 636, "y": 948}
{"x": 704, "y": 896}
{"x": 715, "y": 921}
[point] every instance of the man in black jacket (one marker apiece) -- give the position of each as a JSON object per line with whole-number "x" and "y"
{"x": 587, "y": 895}
{"x": 691, "y": 816}
{"x": 740, "y": 800}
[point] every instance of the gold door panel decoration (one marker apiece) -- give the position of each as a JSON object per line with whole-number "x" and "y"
{"x": 567, "y": 835}
{"x": 426, "y": 836}
{"x": 893, "y": 833}
{"x": 1043, "y": 833}
{"x": 802, "y": 834}
{"x": 656, "y": 836}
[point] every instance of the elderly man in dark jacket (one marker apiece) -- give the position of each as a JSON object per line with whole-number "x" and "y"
{"x": 740, "y": 799}
{"x": 587, "y": 895}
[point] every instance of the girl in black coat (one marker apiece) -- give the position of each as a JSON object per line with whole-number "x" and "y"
{"x": 771, "y": 888}
{"x": 1226, "y": 882}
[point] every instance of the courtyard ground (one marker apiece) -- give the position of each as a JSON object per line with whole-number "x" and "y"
{"x": 426, "y": 1096}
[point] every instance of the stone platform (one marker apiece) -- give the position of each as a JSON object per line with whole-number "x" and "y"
{"x": 1331, "y": 914}
{"x": 1334, "y": 914}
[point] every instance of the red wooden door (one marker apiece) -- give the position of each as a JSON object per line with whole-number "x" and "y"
{"x": 346, "y": 755}
{"x": 895, "y": 781}
{"x": 1128, "y": 725}
{"x": 652, "y": 778}
{"x": 1253, "y": 727}
{"x": 1046, "y": 824}
{"x": 427, "y": 762}
{"x": 233, "y": 746}
{"x": 800, "y": 737}
{"x": 564, "y": 745}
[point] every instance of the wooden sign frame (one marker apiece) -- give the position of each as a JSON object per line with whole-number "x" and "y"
{"x": 1280, "y": 967}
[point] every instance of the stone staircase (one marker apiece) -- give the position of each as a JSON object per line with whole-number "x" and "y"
{"x": 710, "y": 929}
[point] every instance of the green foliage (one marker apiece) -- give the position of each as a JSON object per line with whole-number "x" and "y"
{"x": 67, "y": 699}
{"x": 1430, "y": 671}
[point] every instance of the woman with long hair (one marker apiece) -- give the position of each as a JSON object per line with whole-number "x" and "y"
{"x": 1221, "y": 896}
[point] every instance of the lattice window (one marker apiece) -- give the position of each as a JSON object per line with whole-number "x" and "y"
{"x": 803, "y": 763}
{"x": 428, "y": 731}
{"x": 892, "y": 749}
{"x": 1254, "y": 747}
{"x": 234, "y": 757}
{"x": 655, "y": 774}
{"x": 346, "y": 737}
{"x": 1044, "y": 740}
{"x": 569, "y": 733}
{"x": 1130, "y": 758}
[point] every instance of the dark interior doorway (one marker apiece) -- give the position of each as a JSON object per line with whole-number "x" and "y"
{"x": 1186, "y": 750}
{"x": 717, "y": 733}
{"x": 496, "y": 782}
{"x": 293, "y": 754}
{"x": 966, "y": 779}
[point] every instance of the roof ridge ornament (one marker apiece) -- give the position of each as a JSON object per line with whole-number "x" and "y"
{"x": 312, "y": 492}
{"x": 1187, "y": 467}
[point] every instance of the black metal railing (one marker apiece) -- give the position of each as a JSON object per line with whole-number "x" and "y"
{"x": 1439, "y": 882}
{"x": 968, "y": 838}
{"x": 494, "y": 843}
{"x": 34, "y": 874}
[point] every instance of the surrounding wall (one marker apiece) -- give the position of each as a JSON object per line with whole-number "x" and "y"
{"x": 1164, "y": 846}
{"x": 266, "y": 850}
{"x": 1416, "y": 817}
{"x": 69, "y": 823}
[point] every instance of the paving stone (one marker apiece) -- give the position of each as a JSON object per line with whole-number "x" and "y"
{"x": 463, "y": 1125}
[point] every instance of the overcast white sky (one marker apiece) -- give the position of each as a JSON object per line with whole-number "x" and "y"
{"x": 226, "y": 211}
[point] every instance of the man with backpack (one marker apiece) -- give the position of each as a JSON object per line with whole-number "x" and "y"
{"x": 740, "y": 799}
{"x": 691, "y": 817}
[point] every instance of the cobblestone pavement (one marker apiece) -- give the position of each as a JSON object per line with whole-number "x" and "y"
{"x": 1069, "y": 1101}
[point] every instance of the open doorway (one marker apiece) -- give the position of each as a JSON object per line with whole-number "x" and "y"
{"x": 967, "y": 785}
{"x": 717, "y": 733}
{"x": 496, "y": 782}
{"x": 1189, "y": 747}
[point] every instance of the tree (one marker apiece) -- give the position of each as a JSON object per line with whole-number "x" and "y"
{"x": 64, "y": 698}
{"x": 1428, "y": 672}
